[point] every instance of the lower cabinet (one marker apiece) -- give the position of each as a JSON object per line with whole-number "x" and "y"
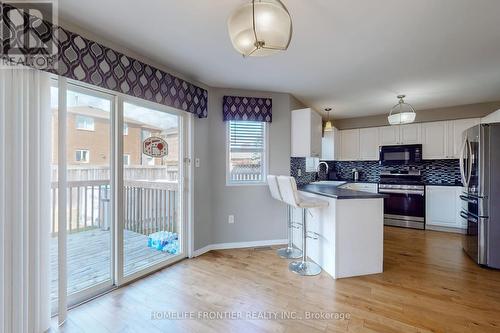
{"x": 443, "y": 206}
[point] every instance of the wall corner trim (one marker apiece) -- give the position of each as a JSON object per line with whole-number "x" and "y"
{"x": 238, "y": 245}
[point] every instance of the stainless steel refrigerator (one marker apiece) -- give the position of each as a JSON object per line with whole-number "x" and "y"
{"x": 480, "y": 170}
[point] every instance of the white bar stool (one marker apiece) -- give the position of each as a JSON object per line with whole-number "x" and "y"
{"x": 290, "y": 195}
{"x": 288, "y": 252}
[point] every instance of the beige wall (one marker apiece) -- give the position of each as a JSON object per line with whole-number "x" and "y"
{"x": 449, "y": 113}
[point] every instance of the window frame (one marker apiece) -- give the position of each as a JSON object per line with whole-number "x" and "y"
{"x": 82, "y": 161}
{"x": 84, "y": 128}
{"x": 128, "y": 159}
{"x": 265, "y": 163}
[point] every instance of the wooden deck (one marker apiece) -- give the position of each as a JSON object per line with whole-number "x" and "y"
{"x": 89, "y": 258}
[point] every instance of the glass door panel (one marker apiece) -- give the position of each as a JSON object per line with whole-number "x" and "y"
{"x": 89, "y": 160}
{"x": 152, "y": 175}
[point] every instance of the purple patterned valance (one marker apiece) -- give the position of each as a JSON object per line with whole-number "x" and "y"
{"x": 247, "y": 108}
{"x": 84, "y": 60}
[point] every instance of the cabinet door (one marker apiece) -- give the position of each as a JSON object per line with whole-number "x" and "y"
{"x": 410, "y": 134}
{"x": 440, "y": 206}
{"x": 316, "y": 132}
{"x": 457, "y": 129}
{"x": 368, "y": 144}
{"x": 349, "y": 145}
{"x": 389, "y": 135}
{"x": 328, "y": 146}
{"x": 301, "y": 133}
{"x": 434, "y": 137}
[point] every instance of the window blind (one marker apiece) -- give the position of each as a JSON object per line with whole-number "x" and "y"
{"x": 246, "y": 136}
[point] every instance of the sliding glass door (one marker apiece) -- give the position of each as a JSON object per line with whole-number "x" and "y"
{"x": 152, "y": 173}
{"x": 123, "y": 176}
{"x": 89, "y": 227}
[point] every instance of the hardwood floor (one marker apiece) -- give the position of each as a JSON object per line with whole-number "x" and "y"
{"x": 428, "y": 285}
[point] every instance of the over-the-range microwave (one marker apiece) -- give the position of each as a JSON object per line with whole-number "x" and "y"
{"x": 403, "y": 154}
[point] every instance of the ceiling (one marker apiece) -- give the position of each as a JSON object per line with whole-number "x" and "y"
{"x": 352, "y": 55}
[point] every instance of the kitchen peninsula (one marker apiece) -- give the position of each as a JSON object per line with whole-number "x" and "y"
{"x": 346, "y": 237}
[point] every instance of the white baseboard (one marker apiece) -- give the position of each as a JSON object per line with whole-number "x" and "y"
{"x": 238, "y": 245}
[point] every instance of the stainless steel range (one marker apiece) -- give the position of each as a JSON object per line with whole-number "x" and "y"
{"x": 405, "y": 204}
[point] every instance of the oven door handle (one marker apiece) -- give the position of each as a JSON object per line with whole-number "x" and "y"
{"x": 422, "y": 193}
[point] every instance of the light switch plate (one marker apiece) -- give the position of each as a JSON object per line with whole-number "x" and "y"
{"x": 230, "y": 219}
{"x": 196, "y": 162}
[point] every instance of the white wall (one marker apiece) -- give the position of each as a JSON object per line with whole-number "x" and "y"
{"x": 257, "y": 216}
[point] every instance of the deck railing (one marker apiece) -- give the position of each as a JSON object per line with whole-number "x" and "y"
{"x": 150, "y": 206}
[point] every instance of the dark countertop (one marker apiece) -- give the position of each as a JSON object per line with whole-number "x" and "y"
{"x": 339, "y": 193}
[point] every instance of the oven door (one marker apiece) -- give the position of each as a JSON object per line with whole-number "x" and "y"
{"x": 404, "y": 208}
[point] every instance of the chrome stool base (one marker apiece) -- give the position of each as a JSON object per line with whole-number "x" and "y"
{"x": 289, "y": 253}
{"x": 304, "y": 268}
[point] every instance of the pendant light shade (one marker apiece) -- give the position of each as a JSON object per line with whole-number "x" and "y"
{"x": 402, "y": 113}
{"x": 260, "y": 28}
{"x": 328, "y": 124}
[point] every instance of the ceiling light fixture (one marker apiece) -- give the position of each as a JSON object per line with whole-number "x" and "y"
{"x": 401, "y": 113}
{"x": 328, "y": 124}
{"x": 260, "y": 28}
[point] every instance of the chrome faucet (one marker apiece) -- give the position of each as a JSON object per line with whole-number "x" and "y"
{"x": 318, "y": 168}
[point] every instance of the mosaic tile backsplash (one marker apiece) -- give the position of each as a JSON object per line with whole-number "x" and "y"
{"x": 434, "y": 172}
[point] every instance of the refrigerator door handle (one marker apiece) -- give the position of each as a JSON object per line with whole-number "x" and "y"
{"x": 462, "y": 163}
{"x": 470, "y": 157}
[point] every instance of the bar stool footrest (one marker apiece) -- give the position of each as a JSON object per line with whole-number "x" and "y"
{"x": 304, "y": 268}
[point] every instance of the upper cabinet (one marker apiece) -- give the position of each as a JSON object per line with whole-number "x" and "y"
{"x": 410, "y": 134}
{"x": 434, "y": 140}
{"x": 456, "y": 129}
{"x": 368, "y": 144}
{"x": 399, "y": 134}
{"x": 349, "y": 145}
{"x": 439, "y": 139}
{"x": 389, "y": 135}
{"x": 306, "y": 133}
{"x": 330, "y": 145}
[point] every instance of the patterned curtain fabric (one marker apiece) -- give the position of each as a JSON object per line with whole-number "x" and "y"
{"x": 84, "y": 60}
{"x": 247, "y": 108}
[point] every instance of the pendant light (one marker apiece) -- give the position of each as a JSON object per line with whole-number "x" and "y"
{"x": 328, "y": 124}
{"x": 260, "y": 28}
{"x": 401, "y": 113}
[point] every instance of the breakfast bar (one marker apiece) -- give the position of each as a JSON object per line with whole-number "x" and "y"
{"x": 347, "y": 236}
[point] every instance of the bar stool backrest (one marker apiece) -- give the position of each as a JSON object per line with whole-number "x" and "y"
{"x": 272, "y": 182}
{"x": 288, "y": 189}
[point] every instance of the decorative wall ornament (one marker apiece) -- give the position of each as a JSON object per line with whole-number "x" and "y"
{"x": 155, "y": 147}
{"x": 247, "y": 108}
{"x": 87, "y": 61}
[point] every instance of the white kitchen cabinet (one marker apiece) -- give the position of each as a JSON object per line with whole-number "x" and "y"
{"x": 306, "y": 133}
{"x": 434, "y": 140}
{"x": 389, "y": 135}
{"x": 349, "y": 145}
{"x": 493, "y": 117}
{"x": 455, "y": 131}
{"x": 330, "y": 145}
{"x": 409, "y": 134}
{"x": 443, "y": 206}
{"x": 400, "y": 134}
{"x": 368, "y": 144}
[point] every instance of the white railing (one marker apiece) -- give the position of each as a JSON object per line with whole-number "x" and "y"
{"x": 99, "y": 172}
{"x": 150, "y": 206}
